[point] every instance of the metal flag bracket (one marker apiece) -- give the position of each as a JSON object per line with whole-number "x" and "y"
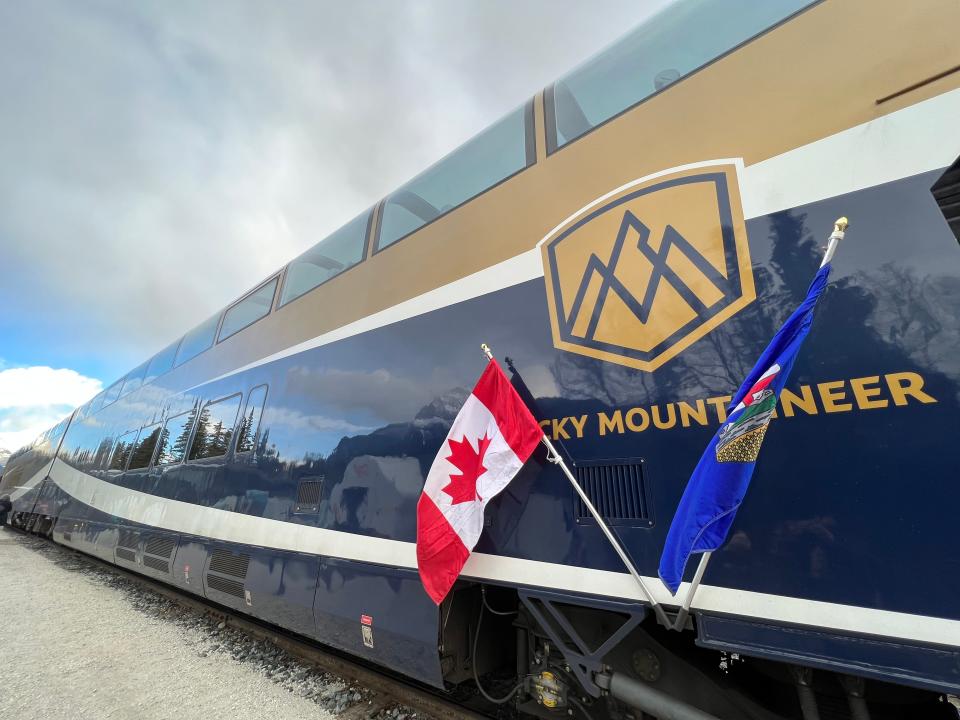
{"x": 554, "y": 457}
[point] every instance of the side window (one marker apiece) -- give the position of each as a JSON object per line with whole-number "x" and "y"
{"x": 248, "y": 310}
{"x": 112, "y": 393}
{"x": 249, "y": 430}
{"x": 122, "y": 450}
{"x": 215, "y": 428}
{"x": 174, "y": 438}
{"x": 161, "y": 362}
{"x": 494, "y": 155}
{"x": 144, "y": 447}
{"x": 674, "y": 43}
{"x": 328, "y": 258}
{"x": 197, "y": 340}
{"x": 134, "y": 379}
{"x": 103, "y": 454}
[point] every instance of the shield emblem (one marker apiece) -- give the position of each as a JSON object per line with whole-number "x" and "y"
{"x": 641, "y": 274}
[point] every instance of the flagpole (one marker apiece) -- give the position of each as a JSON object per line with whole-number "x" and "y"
{"x": 694, "y": 584}
{"x": 555, "y": 457}
{"x": 839, "y": 229}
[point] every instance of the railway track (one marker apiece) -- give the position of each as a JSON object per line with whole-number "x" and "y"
{"x": 386, "y": 691}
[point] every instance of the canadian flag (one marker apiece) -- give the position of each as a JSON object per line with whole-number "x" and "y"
{"x": 491, "y": 438}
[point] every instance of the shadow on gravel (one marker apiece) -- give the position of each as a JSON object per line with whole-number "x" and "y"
{"x": 210, "y": 637}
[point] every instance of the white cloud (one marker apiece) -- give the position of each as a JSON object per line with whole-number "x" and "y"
{"x": 33, "y": 399}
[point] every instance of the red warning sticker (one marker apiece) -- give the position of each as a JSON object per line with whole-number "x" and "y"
{"x": 366, "y": 620}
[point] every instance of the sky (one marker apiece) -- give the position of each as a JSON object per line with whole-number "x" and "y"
{"x": 158, "y": 159}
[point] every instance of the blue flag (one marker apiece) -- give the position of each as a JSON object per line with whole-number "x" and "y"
{"x": 721, "y": 478}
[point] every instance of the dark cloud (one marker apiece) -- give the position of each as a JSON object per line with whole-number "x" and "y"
{"x": 160, "y": 158}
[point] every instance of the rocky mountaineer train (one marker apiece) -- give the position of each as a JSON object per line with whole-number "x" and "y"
{"x": 630, "y": 239}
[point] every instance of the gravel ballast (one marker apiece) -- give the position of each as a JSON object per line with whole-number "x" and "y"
{"x": 81, "y": 641}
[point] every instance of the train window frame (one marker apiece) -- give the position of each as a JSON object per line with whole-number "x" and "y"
{"x": 113, "y": 452}
{"x": 177, "y": 362}
{"x": 186, "y": 449}
{"x": 161, "y": 424}
{"x": 107, "y": 400}
{"x": 176, "y": 349}
{"x": 140, "y": 371}
{"x": 256, "y": 435}
{"x": 549, "y": 116}
{"x": 365, "y": 254}
{"x": 275, "y": 278}
{"x": 233, "y": 433}
{"x": 530, "y": 159}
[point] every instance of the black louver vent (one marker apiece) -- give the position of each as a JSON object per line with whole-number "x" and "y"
{"x": 617, "y": 490}
{"x": 68, "y": 537}
{"x": 160, "y": 546}
{"x": 308, "y": 494}
{"x": 226, "y": 563}
{"x": 126, "y": 554}
{"x": 224, "y": 585}
{"x": 946, "y": 191}
{"x": 156, "y": 563}
{"x": 128, "y": 539}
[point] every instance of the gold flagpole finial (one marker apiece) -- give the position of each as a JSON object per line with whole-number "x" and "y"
{"x": 486, "y": 350}
{"x": 841, "y": 224}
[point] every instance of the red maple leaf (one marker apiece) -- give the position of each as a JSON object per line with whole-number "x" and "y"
{"x": 463, "y": 487}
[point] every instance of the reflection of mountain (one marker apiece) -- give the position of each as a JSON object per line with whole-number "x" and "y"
{"x": 4, "y": 457}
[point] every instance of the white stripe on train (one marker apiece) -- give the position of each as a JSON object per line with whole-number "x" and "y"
{"x": 180, "y": 517}
{"x": 908, "y": 142}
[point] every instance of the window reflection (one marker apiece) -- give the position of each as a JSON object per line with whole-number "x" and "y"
{"x": 144, "y": 447}
{"x": 122, "y": 450}
{"x": 197, "y": 340}
{"x": 246, "y": 312}
{"x": 494, "y": 155}
{"x": 328, "y": 258}
{"x": 161, "y": 362}
{"x": 674, "y": 43}
{"x": 134, "y": 379}
{"x": 174, "y": 438}
{"x": 250, "y": 422}
{"x": 215, "y": 428}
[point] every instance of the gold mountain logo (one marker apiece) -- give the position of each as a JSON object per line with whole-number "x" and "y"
{"x": 642, "y": 274}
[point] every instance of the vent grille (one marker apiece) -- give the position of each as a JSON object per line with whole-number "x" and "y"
{"x": 230, "y": 587}
{"x": 160, "y": 546}
{"x": 308, "y": 494}
{"x": 157, "y": 564}
{"x": 618, "y": 492}
{"x": 68, "y": 537}
{"x": 125, "y": 554}
{"x": 226, "y": 563}
{"x": 128, "y": 539}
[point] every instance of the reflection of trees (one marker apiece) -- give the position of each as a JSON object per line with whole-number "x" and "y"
{"x": 201, "y": 438}
{"x": 144, "y": 450}
{"x": 246, "y": 431}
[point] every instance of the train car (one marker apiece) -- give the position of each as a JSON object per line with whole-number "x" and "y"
{"x": 627, "y": 241}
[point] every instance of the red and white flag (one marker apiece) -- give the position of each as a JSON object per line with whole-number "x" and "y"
{"x": 491, "y": 438}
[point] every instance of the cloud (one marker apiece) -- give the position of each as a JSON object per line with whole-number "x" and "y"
{"x": 33, "y": 399}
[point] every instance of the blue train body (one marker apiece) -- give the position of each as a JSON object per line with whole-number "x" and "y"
{"x": 840, "y": 558}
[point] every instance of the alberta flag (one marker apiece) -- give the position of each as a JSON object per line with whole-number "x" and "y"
{"x": 490, "y": 439}
{"x": 720, "y": 480}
